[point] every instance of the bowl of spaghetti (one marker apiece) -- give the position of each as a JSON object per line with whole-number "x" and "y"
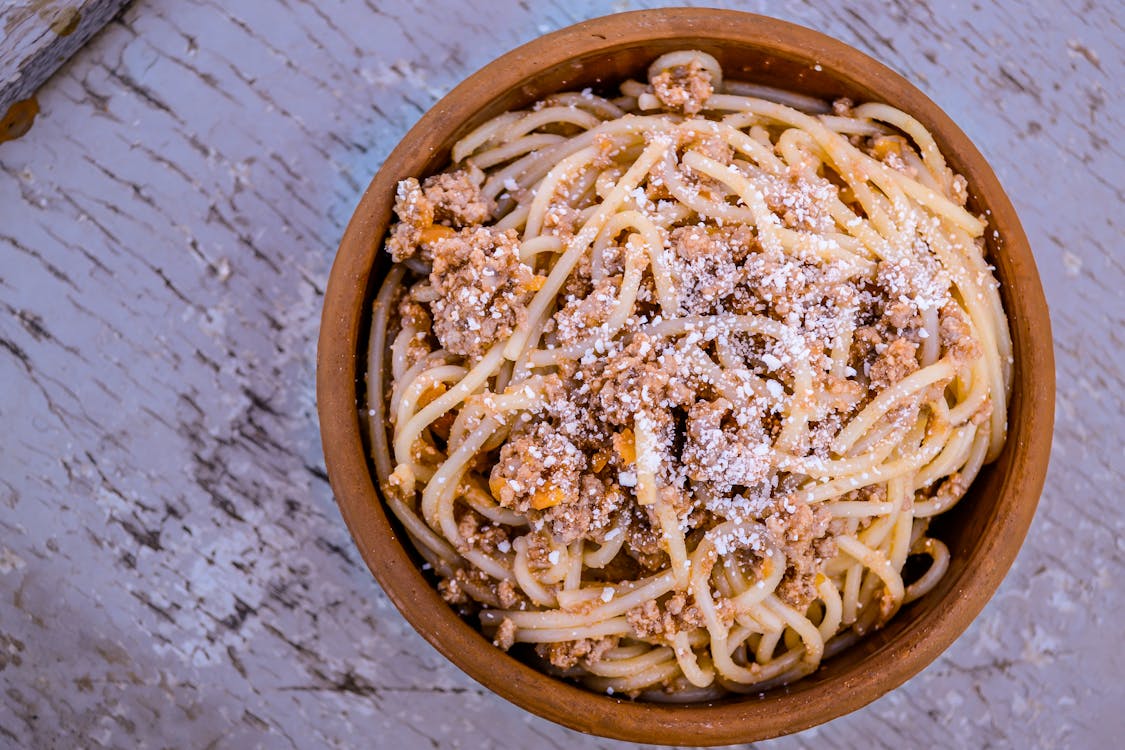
{"x": 685, "y": 377}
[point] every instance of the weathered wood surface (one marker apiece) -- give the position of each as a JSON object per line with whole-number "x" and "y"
{"x": 39, "y": 35}
{"x": 173, "y": 570}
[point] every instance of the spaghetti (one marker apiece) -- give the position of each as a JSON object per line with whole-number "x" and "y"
{"x": 670, "y": 385}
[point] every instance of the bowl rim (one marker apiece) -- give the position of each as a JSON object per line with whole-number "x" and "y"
{"x": 782, "y": 711}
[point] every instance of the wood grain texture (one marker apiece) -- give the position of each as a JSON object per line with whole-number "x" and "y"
{"x": 173, "y": 570}
{"x": 38, "y": 37}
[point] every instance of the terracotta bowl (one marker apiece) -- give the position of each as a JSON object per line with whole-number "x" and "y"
{"x": 984, "y": 531}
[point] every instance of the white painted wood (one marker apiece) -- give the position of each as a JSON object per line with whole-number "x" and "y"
{"x": 39, "y": 35}
{"x": 173, "y": 569}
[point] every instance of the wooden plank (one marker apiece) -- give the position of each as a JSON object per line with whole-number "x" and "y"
{"x": 40, "y": 35}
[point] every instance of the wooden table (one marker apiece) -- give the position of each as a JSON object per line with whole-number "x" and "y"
{"x": 173, "y": 569}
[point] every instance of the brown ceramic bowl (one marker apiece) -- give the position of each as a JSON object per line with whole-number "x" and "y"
{"x": 983, "y": 532}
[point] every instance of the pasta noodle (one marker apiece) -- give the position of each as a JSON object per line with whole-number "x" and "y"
{"x": 669, "y": 385}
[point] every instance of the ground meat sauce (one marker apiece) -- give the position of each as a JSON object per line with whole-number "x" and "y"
{"x": 457, "y": 199}
{"x": 569, "y": 465}
{"x": 567, "y": 654}
{"x": 482, "y": 289}
{"x": 415, "y": 213}
{"x": 684, "y": 88}
{"x": 898, "y": 360}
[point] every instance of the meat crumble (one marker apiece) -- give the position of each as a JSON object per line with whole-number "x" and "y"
{"x": 457, "y": 199}
{"x": 482, "y": 289}
{"x": 567, "y": 654}
{"x": 683, "y": 88}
